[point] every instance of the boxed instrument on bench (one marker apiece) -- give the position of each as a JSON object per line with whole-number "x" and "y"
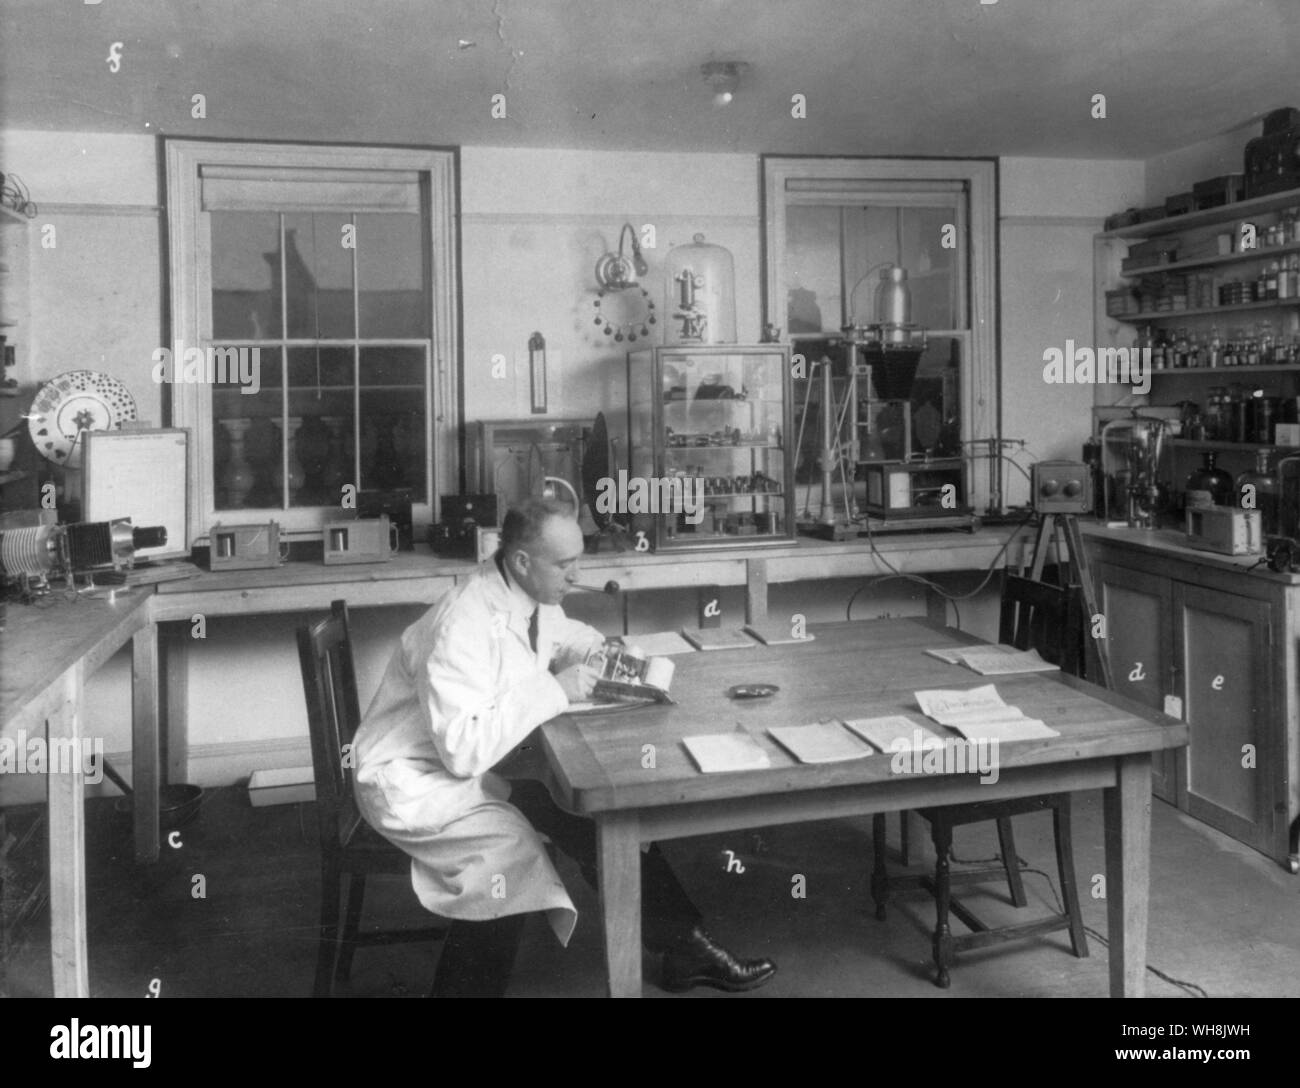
{"x": 914, "y": 488}
{"x": 1224, "y": 529}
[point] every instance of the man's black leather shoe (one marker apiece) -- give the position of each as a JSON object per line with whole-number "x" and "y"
{"x": 700, "y": 961}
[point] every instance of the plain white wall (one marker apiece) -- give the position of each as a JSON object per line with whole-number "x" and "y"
{"x": 1050, "y": 210}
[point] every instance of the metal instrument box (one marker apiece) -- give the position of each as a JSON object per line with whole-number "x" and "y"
{"x": 244, "y": 547}
{"x": 1062, "y": 487}
{"x": 915, "y": 488}
{"x": 363, "y": 540}
{"x": 1225, "y": 530}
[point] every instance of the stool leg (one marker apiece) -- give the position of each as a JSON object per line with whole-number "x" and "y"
{"x": 941, "y": 833}
{"x": 1011, "y": 862}
{"x": 351, "y": 924}
{"x": 1065, "y": 865}
{"x": 327, "y": 948}
{"x": 879, "y": 874}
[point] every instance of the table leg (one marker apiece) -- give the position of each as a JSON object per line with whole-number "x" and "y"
{"x": 1127, "y": 812}
{"x": 67, "y": 841}
{"x": 144, "y": 742}
{"x": 618, "y": 848}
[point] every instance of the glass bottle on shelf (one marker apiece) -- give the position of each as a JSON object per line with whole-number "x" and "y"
{"x": 1239, "y": 414}
{"x": 1181, "y": 349}
{"x": 1257, "y": 489}
{"x": 1214, "y": 354}
{"x": 1208, "y": 485}
{"x": 1159, "y": 353}
{"x": 1214, "y": 413}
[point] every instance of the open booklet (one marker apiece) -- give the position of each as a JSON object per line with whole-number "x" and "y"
{"x": 994, "y": 660}
{"x": 980, "y": 714}
{"x": 626, "y": 677}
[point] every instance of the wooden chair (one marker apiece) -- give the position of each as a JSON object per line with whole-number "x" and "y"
{"x": 1048, "y": 618}
{"x": 349, "y": 847}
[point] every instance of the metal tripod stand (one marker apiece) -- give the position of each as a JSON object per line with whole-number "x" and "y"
{"x": 1072, "y": 560}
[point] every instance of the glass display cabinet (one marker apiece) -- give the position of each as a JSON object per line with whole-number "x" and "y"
{"x": 710, "y": 459}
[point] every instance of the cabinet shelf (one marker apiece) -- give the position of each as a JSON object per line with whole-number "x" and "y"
{"x": 1220, "y": 371}
{"x": 1259, "y": 253}
{"x": 1204, "y": 311}
{"x": 234, "y": 390}
{"x": 1218, "y": 444}
{"x": 722, "y": 446}
{"x": 1225, "y": 213}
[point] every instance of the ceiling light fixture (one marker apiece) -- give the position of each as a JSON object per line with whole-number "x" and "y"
{"x": 723, "y": 77}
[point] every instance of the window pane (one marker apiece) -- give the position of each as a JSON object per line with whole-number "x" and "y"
{"x": 245, "y": 287}
{"x": 392, "y": 281}
{"x": 246, "y": 455}
{"x": 318, "y": 275}
{"x": 320, "y": 413}
{"x": 910, "y": 236}
{"x": 393, "y": 450}
{"x": 812, "y": 269}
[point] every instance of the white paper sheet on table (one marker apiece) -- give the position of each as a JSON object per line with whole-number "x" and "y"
{"x": 994, "y": 660}
{"x": 720, "y": 752}
{"x": 884, "y": 732}
{"x": 981, "y": 714}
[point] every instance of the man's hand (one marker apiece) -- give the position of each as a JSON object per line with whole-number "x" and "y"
{"x": 578, "y": 682}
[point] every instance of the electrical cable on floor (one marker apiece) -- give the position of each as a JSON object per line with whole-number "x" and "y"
{"x": 1188, "y": 987}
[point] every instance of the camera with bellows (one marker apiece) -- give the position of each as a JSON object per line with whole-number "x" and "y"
{"x": 34, "y": 555}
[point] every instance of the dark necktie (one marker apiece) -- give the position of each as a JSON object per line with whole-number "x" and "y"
{"x": 532, "y": 630}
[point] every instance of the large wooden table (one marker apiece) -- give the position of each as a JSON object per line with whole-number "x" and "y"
{"x": 46, "y": 655}
{"x": 598, "y": 765}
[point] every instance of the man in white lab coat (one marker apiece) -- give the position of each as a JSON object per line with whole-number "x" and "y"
{"x": 483, "y": 668}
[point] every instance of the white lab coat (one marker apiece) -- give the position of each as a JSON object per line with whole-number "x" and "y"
{"x": 462, "y": 690}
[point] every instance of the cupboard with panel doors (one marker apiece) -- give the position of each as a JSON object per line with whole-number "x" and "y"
{"x": 1209, "y": 640}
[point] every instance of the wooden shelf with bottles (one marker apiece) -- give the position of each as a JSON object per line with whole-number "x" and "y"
{"x": 1272, "y": 265}
{"x": 1227, "y": 372}
{"x": 1229, "y": 447}
{"x": 1199, "y": 232}
{"x": 1209, "y": 217}
{"x": 1163, "y": 317}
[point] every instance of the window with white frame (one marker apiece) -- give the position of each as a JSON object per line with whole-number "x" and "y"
{"x": 314, "y": 327}
{"x": 831, "y": 225}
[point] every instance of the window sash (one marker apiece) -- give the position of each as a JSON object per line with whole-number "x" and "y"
{"x": 789, "y": 181}
{"x": 411, "y": 177}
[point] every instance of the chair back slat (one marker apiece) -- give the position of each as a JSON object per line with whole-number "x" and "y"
{"x": 1043, "y": 617}
{"x": 333, "y": 714}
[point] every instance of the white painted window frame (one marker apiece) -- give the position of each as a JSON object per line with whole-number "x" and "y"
{"x": 838, "y": 180}
{"x": 189, "y": 275}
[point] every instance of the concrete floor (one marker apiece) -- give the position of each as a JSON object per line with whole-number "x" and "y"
{"x": 1225, "y": 921}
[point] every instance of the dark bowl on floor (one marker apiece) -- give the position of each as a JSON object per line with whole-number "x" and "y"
{"x": 177, "y": 805}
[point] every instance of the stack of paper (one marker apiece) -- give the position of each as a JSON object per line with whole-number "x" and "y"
{"x": 980, "y": 714}
{"x": 994, "y": 660}
{"x": 821, "y": 742}
{"x": 718, "y": 752}
{"x": 893, "y": 733}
